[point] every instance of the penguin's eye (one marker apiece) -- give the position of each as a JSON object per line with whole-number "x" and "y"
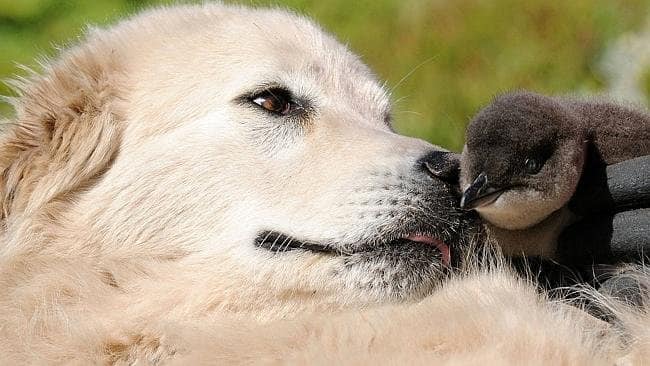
{"x": 533, "y": 166}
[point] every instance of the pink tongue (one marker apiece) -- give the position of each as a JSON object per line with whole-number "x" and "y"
{"x": 442, "y": 247}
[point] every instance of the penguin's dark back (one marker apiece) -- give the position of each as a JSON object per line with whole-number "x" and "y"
{"x": 618, "y": 132}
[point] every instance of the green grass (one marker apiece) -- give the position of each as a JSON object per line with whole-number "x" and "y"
{"x": 645, "y": 84}
{"x": 466, "y": 51}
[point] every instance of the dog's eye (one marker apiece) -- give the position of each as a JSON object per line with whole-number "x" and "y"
{"x": 277, "y": 101}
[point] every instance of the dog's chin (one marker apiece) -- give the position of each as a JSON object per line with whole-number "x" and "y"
{"x": 398, "y": 270}
{"x": 408, "y": 263}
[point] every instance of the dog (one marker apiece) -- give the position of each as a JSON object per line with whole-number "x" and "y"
{"x": 197, "y": 174}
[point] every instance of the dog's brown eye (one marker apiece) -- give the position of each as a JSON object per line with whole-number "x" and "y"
{"x": 277, "y": 101}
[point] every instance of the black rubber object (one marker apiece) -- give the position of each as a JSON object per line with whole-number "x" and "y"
{"x": 614, "y": 188}
{"x": 629, "y": 183}
{"x": 623, "y": 237}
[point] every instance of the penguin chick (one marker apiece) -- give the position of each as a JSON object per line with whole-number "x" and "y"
{"x": 525, "y": 153}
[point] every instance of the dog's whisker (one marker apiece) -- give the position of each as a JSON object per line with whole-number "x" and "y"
{"x": 286, "y": 248}
{"x": 409, "y": 112}
{"x": 274, "y": 242}
{"x": 413, "y": 70}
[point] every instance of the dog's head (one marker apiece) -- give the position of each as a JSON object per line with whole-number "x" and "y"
{"x": 245, "y": 145}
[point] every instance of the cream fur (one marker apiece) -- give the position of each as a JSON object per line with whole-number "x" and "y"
{"x": 132, "y": 189}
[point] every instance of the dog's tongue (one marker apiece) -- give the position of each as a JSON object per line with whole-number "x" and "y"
{"x": 442, "y": 247}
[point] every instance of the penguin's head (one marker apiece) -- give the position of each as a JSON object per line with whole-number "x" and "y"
{"x": 522, "y": 160}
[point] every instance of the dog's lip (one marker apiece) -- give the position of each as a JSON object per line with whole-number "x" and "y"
{"x": 445, "y": 252}
{"x": 277, "y": 242}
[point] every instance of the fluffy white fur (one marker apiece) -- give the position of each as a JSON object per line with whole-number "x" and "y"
{"x": 133, "y": 187}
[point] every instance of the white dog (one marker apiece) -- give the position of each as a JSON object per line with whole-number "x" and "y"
{"x": 197, "y": 164}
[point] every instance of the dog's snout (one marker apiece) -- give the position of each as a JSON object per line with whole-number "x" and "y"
{"x": 443, "y": 165}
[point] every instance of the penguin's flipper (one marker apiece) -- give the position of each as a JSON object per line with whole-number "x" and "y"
{"x": 623, "y": 237}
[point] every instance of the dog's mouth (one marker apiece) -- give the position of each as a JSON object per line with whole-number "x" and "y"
{"x": 278, "y": 242}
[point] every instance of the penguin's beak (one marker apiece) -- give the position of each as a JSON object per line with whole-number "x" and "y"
{"x": 479, "y": 193}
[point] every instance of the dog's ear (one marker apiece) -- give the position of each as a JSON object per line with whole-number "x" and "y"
{"x": 64, "y": 135}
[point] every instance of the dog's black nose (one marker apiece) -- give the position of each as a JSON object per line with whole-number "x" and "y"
{"x": 443, "y": 165}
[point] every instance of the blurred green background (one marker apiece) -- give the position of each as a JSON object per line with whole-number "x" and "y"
{"x": 444, "y": 58}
